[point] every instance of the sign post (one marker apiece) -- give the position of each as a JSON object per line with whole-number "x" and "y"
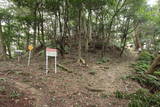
{"x": 53, "y": 53}
{"x": 30, "y": 48}
{"x": 19, "y": 53}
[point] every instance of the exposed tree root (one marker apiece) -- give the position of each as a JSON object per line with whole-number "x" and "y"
{"x": 154, "y": 65}
{"x": 94, "y": 89}
{"x": 81, "y": 61}
{"x": 64, "y": 68}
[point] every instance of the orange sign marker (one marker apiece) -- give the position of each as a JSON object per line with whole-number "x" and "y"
{"x": 30, "y": 47}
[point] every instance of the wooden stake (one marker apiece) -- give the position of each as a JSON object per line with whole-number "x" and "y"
{"x": 46, "y": 64}
{"x": 55, "y": 64}
{"x": 29, "y": 58}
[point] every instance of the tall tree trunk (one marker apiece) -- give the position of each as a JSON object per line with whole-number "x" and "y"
{"x": 79, "y": 36}
{"x": 89, "y": 33}
{"x": 28, "y": 37}
{"x": 60, "y": 24}
{"x": 103, "y": 38}
{"x": 154, "y": 66}
{"x": 65, "y": 18}
{"x": 86, "y": 41}
{"x": 125, "y": 33}
{"x": 9, "y": 41}
{"x": 35, "y": 28}
{"x": 9, "y": 51}
{"x": 80, "y": 23}
{"x": 54, "y": 34}
{"x": 2, "y": 46}
{"x": 137, "y": 39}
{"x": 124, "y": 44}
{"x": 55, "y": 27}
{"x": 40, "y": 34}
{"x": 42, "y": 28}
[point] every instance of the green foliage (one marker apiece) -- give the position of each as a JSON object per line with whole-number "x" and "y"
{"x": 150, "y": 81}
{"x": 92, "y": 72}
{"x": 145, "y": 56}
{"x": 104, "y": 95}
{"x": 119, "y": 94}
{"x": 15, "y": 94}
{"x": 143, "y": 63}
{"x": 2, "y": 79}
{"x": 43, "y": 21}
{"x": 141, "y": 98}
{"x": 140, "y": 67}
{"x": 2, "y": 89}
{"x": 103, "y": 60}
{"x": 157, "y": 73}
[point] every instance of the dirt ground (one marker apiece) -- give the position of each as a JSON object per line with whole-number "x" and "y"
{"x": 87, "y": 86}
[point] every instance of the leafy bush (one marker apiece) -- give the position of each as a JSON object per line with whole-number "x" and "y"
{"x": 147, "y": 80}
{"x": 2, "y": 89}
{"x": 150, "y": 81}
{"x": 143, "y": 63}
{"x": 119, "y": 94}
{"x": 145, "y": 56}
{"x": 2, "y": 79}
{"x": 103, "y": 60}
{"x": 157, "y": 73}
{"x": 140, "y": 67}
{"x": 92, "y": 72}
{"x": 141, "y": 98}
{"x": 15, "y": 94}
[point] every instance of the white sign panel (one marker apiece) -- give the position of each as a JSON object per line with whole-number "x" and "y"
{"x": 18, "y": 51}
{"x": 51, "y": 52}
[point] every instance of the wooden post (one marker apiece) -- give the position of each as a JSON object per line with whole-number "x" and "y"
{"x": 55, "y": 64}
{"x": 30, "y": 48}
{"x": 46, "y": 64}
{"x": 29, "y": 58}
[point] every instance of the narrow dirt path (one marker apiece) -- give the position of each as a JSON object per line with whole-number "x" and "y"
{"x": 64, "y": 89}
{"x": 111, "y": 77}
{"x": 33, "y": 93}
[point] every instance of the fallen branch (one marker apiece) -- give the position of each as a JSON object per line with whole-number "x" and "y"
{"x": 154, "y": 66}
{"x": 94, "y": 89}
{"x": 81, "y": 61}
{"x": 64, "y": 68}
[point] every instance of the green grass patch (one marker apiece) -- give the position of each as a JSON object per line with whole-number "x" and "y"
{"x": 2, "y": 89}
{"x": 92, "y": 72}
{"x": 103, "y": 60}
{"x": 149, "y": 97}
{"x": 141, "y": 98}
{"x": 15, "y": 94}
{"x": 2, "y": 79}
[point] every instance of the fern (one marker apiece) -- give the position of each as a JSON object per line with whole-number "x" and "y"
{"x": 141, "y": 98}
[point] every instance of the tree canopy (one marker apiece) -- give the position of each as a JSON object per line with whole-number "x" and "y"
{"x": 111, "y": 22}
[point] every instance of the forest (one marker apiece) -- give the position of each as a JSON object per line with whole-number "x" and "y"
{"x": 105, "y": 53}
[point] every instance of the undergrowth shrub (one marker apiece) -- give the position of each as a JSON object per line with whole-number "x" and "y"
{"x": 149, "y": 97}
{"x": 145, "y": 56}
{"x": 103, "y": 60}
{"x": 141, "y": 98}
{"x": 144, "y": 60}
{"x": 151, "y": 82}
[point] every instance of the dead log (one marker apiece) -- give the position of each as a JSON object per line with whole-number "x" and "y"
{"x": 82, "y": 62}
{"x": 64, "y": 68}
{"x": 154, "y": 65}
{"x": 94, "y": 89}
